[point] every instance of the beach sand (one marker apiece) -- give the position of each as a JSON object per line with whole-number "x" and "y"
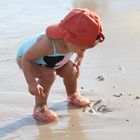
{"x": 110, "y": 72}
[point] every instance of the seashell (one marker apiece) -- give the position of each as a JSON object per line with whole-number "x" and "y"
{"x": 101, "y": 77}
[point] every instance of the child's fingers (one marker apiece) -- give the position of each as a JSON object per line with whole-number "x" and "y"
{"x": 43, "y": 94}
{"x": 41, "y": 91}
{"x": 77, "y": 73}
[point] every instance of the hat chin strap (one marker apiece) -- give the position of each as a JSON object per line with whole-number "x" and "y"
{"x": 101, "y": 37}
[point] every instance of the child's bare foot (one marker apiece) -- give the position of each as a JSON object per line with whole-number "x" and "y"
{"x": 78, "y": 100}
{"x": 44, "y": 114}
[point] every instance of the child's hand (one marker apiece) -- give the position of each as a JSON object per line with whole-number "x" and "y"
{"x": 78, "y": 62}
{"x": 77, "y": 65}
{"x": 36, "y": 89}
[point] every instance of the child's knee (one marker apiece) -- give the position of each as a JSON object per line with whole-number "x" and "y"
{"x": 52, "y": 75}
{"x": 19, "y": 62}
{"x": 71, "y": 69}
{"x": 67, "y": 71}
{"x": 48, "y": 75}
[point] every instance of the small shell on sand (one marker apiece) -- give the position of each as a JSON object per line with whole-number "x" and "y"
{"x": 89, "y": 110}
{"x": 121, "y": 68}
{"x": 118, "y": 95}
{"x": 114, "y": 86}
{"x": 137, "y": 97}
{"x": 101, "y": 77}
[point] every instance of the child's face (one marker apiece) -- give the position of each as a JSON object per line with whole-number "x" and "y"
{"x": 77, "y": 48}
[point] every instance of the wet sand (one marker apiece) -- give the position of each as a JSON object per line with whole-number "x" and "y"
{"x": 110, "y": 72}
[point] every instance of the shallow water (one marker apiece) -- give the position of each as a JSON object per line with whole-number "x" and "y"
{"x": 21, "y": 19}
{"x": 117, "y": 59}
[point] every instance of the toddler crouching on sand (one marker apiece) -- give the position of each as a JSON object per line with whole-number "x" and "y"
{"x": 48, "y": 54}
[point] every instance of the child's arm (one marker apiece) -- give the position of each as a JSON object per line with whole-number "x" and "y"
{"x": 78, "y": 62}
{"x": 38, "y": 50}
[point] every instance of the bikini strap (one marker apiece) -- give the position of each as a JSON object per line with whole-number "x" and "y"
{"x": 53, "y": 46}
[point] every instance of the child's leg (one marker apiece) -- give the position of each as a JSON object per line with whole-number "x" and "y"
{"x": 41, "y": 111}
{"x": 46, "y": 77}
{"x": 67, "y": 72}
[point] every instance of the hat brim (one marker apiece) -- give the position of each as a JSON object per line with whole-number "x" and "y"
{"x": 54, "y": 31}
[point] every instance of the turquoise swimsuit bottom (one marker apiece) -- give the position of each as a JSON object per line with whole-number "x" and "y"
{"x": 55, "y": 60}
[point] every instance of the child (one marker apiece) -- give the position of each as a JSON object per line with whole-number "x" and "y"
{"x": 48, "y": 54}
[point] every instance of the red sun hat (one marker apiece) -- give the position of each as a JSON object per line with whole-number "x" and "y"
{"x": 80, "y": 26}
